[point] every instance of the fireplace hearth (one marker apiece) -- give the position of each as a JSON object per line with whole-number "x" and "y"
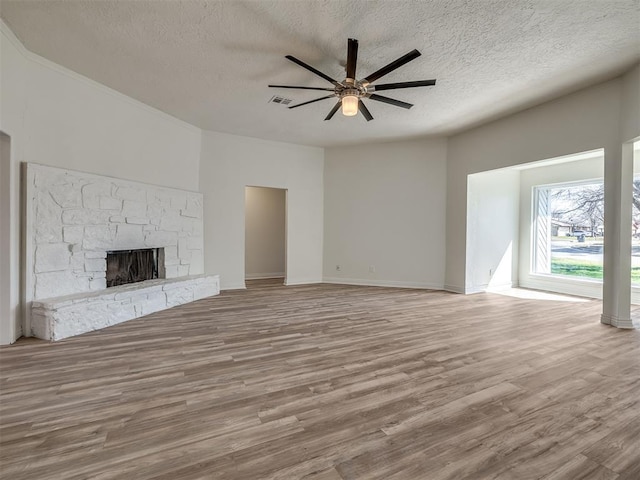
{"x": 132, "y": 266}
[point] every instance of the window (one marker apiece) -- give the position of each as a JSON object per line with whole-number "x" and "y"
{"x": 569, "y": 230}
{"x": 635, "y": 232}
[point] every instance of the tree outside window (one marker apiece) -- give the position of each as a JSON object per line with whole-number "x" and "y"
{"x": 569, "y": 230}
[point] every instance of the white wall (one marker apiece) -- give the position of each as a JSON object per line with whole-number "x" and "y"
{"x": 8, "y": 330}
{"x": 229, "y": 164}
{"x": 567, "y": 171}
{"x": 385, "y": 208}
{"x": 592, "y": 118}
{"x": 13, "y": 96}
{"x": 583, "y": 121}
{"x": 630, "y": 111}
{"x": 492, "y": 230}
{"x": 265, "y": 225}
{"x": 73, "y": 122}
{"x": 56, "y": 117}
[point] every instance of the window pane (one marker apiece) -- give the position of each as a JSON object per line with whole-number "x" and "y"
{"x": 635, "y": 232}
{"x": 573, "y": 216}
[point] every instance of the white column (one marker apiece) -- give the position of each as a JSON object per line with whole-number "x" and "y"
{"x": 7, "y": 321}
{"x": 616, "y": 294}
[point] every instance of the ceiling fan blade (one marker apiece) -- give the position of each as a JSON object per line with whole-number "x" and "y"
{"x": 302, "y": 88}
{"x": 311, "y": 101}
{"x": 352, "y": 57}
{"x": 365, "y": 111}
{"x": 390, "y": 101}
{"x": 412, "y": 55}
{"x": 311, "y": 69}
{"x": 394, "y": 86}
{"x": 333, "y": 110}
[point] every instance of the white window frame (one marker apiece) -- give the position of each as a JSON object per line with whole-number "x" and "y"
{"x": 537, "y": 278}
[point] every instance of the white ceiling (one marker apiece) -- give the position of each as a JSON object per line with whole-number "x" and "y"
{"x": 209, "y": 62}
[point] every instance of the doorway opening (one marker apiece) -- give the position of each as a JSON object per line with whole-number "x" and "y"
{"x": 265, "y": 257}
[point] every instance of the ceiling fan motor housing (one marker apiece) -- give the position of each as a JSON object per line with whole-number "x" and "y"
{"x": 351, "y": 88}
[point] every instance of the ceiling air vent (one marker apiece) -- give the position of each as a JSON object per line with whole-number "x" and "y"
{"x": 280, "y": 100}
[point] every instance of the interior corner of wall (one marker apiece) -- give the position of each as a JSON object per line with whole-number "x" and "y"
{"x": 454, "y": 288}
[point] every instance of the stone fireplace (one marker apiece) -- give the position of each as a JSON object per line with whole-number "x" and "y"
{"x": 82, "y": 232}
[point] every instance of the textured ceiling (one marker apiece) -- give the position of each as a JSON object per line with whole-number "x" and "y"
{"x": 209, "y": 62}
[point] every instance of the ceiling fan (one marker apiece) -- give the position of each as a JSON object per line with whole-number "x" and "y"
{"x": 351, "y": 91}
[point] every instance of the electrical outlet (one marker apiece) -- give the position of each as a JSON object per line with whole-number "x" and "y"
{"x": 337, "y": 268}
{"x": 372, "y": 269}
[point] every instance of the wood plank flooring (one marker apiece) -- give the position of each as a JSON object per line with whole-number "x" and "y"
{"x": 327, "y": 382}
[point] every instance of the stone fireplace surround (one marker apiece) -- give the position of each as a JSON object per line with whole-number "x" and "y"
{"x": 74, "y": 218}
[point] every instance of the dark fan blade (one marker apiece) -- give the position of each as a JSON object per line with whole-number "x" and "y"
{"x": 311, "y": 69}
{"x": 394, "y": 86}
{"x": 390, "y": 101}
{"x": 352, "y": 57}
{"x": 311, "y": 101}
{"x": 365, "y": 111}
{"x": 333, "y": 110}
{"x": 301, "y": 88}
{"x": 393, "y": 65}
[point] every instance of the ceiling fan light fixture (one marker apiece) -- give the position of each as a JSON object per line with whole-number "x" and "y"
{"x": 349, "y": 105}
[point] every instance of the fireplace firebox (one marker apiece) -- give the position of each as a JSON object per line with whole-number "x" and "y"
{"x": 132, "y": 266}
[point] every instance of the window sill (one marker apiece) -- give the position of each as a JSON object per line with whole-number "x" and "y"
{"x": 583, "y": 287}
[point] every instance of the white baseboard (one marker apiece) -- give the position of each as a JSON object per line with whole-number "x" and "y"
{"x": 263, "y": 276}
{"x": 234, "y": 286}
{"x": 382, "y": 283}
{"x": 475, "y": 289}
{"x": 454, "y": 289}
{"x": 616, "y": 322}
{"x": 301, "y": 281}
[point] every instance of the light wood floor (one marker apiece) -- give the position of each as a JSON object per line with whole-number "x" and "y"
{"x": 329, "y": 382}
